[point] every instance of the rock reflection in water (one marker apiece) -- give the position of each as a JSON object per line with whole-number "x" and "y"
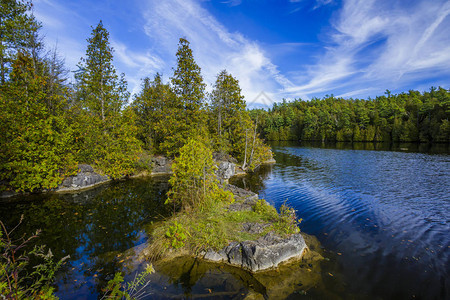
{"x": 196, "y": 278}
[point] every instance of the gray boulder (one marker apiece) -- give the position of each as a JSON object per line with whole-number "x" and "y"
{"x": 161, "y": 165}
{"x": 84, "y": 178}
{"x": 225, "y": 170}
{"x": 266, "y": 252}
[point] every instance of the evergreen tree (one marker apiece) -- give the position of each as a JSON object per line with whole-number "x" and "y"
{"x": 228, "y": 110}
{"x": 18, "y": 30}
{"x": 36, "y": 143}
{"x": 186, "y": 113}
{"x": 151, "y": 106}
{"x": 105, "y": 134}
{"x": 99, "y": 88}
{"x": 187, "y": 80}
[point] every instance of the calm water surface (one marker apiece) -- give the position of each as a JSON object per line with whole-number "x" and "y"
{"x": 386, "y": 214}
{"x": 382, "y": 218}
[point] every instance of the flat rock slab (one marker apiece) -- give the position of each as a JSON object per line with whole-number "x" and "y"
{"x": 265, "y": 253}
{"x": 241, "y": 194}
{"x": 254, "y": 228}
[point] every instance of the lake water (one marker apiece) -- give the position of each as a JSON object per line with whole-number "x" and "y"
{"x": 382, "y": 216}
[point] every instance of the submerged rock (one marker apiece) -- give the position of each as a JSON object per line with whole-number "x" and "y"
{"x": 265, "y": 253}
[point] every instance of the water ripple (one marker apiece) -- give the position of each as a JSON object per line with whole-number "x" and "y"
{"x": 387, "y": 212}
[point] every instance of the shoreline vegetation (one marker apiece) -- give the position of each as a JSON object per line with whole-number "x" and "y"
{"x": 406, "y": 117}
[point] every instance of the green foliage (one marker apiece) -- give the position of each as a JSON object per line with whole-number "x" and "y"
{"x": 266, "y": 210}
{"x": 117, "y": 289}
{"x": 228, "y": 115}
{"x": 104, "y": 128}
{"x": 154, "y": 104}
{"x": 17, "y": 31}
{"x": 36, "y": 142}
{"x": 16, "y": 282}
{"x": 231, "y": 126}
{"x": 185, "y": 108}
{"x": 193, "y": 183}
{"x": 99, "y": 88}
{"x": 406, "y": 117}
{"x": 287, "y": 222}
{"x": 176, "y": 235}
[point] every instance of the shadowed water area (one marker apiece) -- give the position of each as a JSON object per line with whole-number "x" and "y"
{"x": 381, "y": 214}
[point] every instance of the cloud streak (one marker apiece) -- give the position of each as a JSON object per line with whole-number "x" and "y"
{"x": 215, "y": 48}
{"x": 376, "y": 45}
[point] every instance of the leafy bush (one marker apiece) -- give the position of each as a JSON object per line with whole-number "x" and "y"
{"x": 177, "y": 235}
{"x": 194, "y": 185}
{"x": 266, "y": 210}
{"x": 116, "y": 289}
{"x": 16, "y": 282}
{"x": 287, "y": 222}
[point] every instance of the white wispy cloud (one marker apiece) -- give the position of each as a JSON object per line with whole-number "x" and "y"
{"x": 366, "y": 47}
{"x": 214, "y": 47}
{"x": 376, "y": 45}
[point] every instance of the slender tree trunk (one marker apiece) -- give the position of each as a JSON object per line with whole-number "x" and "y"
{"x": 102, "y": 99}
{"x": 219, "y": 122}
{"x": 2, "y": 67}
{"x": 253, "y": 144}
{"x": 2, "y": 61}
{"x": 245, "y": 153}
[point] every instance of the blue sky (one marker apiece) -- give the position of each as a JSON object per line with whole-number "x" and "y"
{"x": 283, "y": 49}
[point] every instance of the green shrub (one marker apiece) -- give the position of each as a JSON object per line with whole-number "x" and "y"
{"x": 117, "y": 289}
{"x": 287, "y": 222}
{"x": 177, "y": 235}
{"x": 16, "y": 282}
{"x": 267, "y": 211}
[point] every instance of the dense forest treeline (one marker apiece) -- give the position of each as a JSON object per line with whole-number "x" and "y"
{"x": 406, "y": 117}
{"x": 49, "y": 125}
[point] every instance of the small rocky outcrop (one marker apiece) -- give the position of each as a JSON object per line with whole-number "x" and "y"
{"x": 161, "y": 165}
{"x": 242, "y": 194}
{"x": 265, "y": 253}
{"x": 86, "y": 177}
{"x": 218, "y": 156}
{"x": 244, "y": 200}
{"x": 225, "y": 170}
{"x": 255, "y": 228}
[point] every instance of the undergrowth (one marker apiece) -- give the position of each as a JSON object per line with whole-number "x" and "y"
{"x": 216, "y": 227}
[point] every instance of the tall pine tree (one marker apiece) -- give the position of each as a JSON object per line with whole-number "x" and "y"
{"x": 186, "y": 113}
{"x": 105, "y": 130}
{"x": 17, "y": 32}
{"x": 99, "y": 88}
{"x": 229, "y": 116}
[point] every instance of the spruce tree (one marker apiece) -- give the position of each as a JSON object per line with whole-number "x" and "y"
{"x": 17, "y": 32}
{"x": 99, "y": 88}
{"x": 185, "y": 114}
{"x": 105, "y": 131}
